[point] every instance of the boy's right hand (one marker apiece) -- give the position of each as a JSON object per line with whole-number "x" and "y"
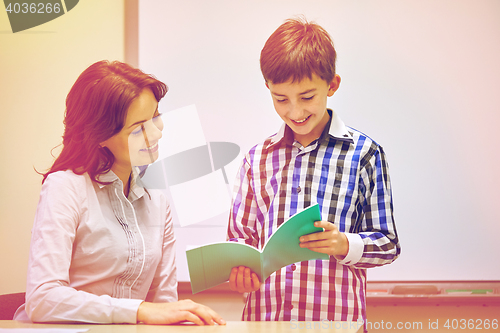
{"x": 243, "y": 280}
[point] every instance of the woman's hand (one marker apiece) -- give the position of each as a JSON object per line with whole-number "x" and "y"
{"x": 177, "y": 312}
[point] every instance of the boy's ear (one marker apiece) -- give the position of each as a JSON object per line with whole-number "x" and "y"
{"x": 334, "y": 85}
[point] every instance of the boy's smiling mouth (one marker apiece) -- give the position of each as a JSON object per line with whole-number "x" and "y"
{"x": 302, "y": 120}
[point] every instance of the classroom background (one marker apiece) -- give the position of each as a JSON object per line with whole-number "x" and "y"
{"x": 420, "y": 77}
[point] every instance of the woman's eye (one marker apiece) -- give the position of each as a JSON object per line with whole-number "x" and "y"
{"x": 157, "y": 116}
{"x": 281, "y": 100}
{"x": 137, "y": 131}
{"x": 308, "y": 98}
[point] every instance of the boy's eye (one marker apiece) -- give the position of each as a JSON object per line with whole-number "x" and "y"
{"x": 281, "y": 100}
{"x": 308, "y": 98}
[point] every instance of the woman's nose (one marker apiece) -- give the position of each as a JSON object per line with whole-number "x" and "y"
{"x": 154, "y": 128}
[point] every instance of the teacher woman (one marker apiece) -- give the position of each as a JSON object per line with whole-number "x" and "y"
{"x": 102, "y": 247}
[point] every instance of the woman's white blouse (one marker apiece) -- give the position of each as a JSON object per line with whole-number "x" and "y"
{"x": 96, "y": 255}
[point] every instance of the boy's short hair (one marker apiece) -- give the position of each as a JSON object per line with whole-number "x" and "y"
{"x": 298, "y": 49}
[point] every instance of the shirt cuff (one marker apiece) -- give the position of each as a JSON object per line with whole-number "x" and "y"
{"x": 356, "y": 247}
{"x": 125, "y": 310}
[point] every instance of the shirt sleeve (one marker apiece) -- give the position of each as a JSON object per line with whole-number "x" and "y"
{"x": 49, "y": 298}
{"x": 376, "y": 242}
{"x": 164, "y": 285}
{"x": 242, "y": 216}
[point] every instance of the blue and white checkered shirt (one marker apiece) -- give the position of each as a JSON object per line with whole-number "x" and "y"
{"x": 346, "y": 173}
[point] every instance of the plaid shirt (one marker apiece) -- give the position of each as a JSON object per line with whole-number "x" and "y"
{"x": 346, "y": 173}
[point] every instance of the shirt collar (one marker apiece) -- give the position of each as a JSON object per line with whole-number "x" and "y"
{"x": 136, "y": 188}
{"x": 336, "y": 129}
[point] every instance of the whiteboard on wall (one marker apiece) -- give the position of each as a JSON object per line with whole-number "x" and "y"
{"x": 420, "y": 77}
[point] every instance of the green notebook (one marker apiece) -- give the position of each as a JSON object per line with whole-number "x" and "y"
{"x": 211, "y": 264}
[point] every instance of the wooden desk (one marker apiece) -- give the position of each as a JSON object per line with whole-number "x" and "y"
{"x": 232, "y": 326}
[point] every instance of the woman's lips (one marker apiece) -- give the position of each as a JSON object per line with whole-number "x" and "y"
{"x": 151, "y": 149}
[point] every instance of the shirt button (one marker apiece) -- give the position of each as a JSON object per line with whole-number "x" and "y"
{"x": 298, "y": 189}
{"x": 294, "y": 267}
{"x": 289, "y": 307}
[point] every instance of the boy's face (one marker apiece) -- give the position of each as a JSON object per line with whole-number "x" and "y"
{"x": 302, "y": 105}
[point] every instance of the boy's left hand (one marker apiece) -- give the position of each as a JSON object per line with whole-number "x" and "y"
{"x": 331, "y": 241}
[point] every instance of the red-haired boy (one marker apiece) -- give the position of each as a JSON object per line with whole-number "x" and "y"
{"x": 314, "y": 157}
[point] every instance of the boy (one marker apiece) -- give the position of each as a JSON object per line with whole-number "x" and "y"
{"x": 313, "y": 158}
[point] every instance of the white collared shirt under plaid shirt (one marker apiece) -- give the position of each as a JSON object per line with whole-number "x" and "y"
{"x": 346, "y": 173}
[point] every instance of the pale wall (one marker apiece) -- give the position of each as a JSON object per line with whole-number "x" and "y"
{"x": 37, "y": 69}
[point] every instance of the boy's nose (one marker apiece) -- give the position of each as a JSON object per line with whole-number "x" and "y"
{"x": 296, "y": 111}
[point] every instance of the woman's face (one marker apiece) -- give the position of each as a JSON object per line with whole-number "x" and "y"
{"x": 137, "y": 142}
